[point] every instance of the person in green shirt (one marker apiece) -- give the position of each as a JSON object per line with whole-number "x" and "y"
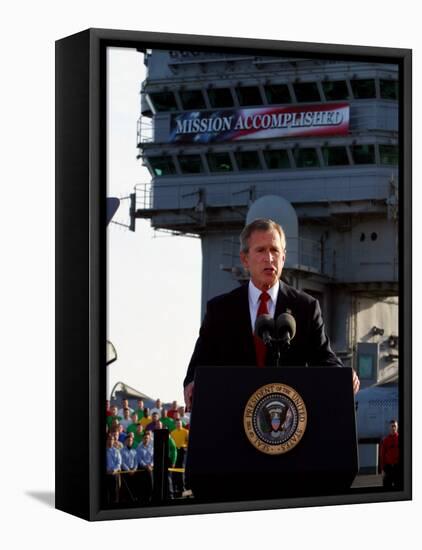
{"x": 132, "y": 428}
{"x": 167, "y": 422}
{"x": 140, "y": 411}
{"x": 113, "y": 416}
{"x": 172, "y": 452}
{"x": 138, "y": 435}
{"x": 172, "y": 458}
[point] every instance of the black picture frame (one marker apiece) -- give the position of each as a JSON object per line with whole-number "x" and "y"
{"x": 80, "y": 261}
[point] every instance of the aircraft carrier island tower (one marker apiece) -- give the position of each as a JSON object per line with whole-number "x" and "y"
{"x": 310, "y": 143}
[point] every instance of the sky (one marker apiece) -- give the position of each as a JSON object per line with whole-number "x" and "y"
{"x": 154, "y": 279}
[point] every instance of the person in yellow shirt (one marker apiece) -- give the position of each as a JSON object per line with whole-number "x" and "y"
{"x": 147, "y": 419}
{"x": 181, "y": 438}
{"x": 180, "y": 435}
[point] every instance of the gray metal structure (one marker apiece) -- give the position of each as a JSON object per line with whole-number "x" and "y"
{"x": 335, "y": 195}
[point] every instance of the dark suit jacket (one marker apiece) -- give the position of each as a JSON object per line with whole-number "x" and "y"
{"x": 226, "y": 338}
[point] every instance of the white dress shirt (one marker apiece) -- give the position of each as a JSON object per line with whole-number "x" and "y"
{"x": 254, "y": 295}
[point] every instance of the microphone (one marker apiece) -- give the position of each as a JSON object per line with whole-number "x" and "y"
{"x": 264, "y": 328}
{"x": 286, "y": 328}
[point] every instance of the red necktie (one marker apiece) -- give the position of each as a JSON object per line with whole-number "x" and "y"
{"x": 260, "y": 347}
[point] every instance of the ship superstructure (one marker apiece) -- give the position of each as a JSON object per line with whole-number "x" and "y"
{"x": 312, "y": 143}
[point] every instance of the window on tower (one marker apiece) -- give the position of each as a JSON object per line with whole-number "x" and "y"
{"x": 247, "y": 160}
{"x": 277, "y": 159}
{"x": 192, "y": 99}
{"x": 306, "y": 157}
{"x": 248, "y": 95}
{"x": 220, "y": 98}
{"x": 363, "y": 154}
{"x": 389, "y": 154}
{"x": 335, "y": 90}
{"x": 219, "y": 162}
{"x": 389, "y": 89}
{"x": 162, "y": 166}
{"x": 335, "y": 156}
{"x": 191, "y": 164}
{"x": 277, "y": 94}
{"x": 306, "y": 91}
{"x": 363, "y": 88}
{"x": 163, "y": 101}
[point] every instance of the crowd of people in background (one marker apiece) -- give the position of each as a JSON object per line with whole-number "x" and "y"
{"x": 130, "y": 449}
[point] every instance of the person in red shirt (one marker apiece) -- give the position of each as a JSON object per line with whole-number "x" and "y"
{"x": 174, "y": 409}
{"x": 389, "y": 457}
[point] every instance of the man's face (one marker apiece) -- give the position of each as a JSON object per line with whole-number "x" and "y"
{"x": 178, "y": 424}
{"x": 140, "y": 404}
{"x": 125, "y": 403}
{"x": 129, "y": 441}
{"x": 155, "y": 417}
{"x": 126, "y": 413}
{"x": 114, "y": 411}
{"x": 265, "y": 258}
{"x": 146, "y": 439}
{"x": 393, "y": 428}
{"x": 182, "y": 411}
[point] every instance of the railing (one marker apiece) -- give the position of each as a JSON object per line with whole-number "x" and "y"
{"x": 144, "y": 196}
{"x": 179, "y": 196}
{"x": 310, "y": 254}
{"x": 144, "y": 130}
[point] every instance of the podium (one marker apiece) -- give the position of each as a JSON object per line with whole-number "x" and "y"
{"x": 237, "y": 450}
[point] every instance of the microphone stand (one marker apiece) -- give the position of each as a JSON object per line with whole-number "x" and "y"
{"x": 277, "y": 344}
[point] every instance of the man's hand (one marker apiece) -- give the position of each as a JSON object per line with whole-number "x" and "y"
{"x": 356, "y": 382}
{"x": 188, "y": 396}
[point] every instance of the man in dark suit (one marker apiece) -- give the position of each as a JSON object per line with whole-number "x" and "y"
{"x": 226, "y": 336}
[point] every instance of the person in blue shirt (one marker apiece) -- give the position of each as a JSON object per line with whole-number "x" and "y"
{"x": 145, "y": 458}
{"x": 128, "y": 453}
{"x": 113, "y": 466}
{"x": 113, "y": 457}
{"x": 129, "y": 481}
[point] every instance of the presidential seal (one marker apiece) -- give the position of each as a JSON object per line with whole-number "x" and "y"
{"x": 275, "y": 419}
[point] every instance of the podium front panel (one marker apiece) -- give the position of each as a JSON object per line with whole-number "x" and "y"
{"x": 222, "y": 461}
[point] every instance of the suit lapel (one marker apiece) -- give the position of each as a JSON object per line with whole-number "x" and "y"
{"x": 283, "y": 304}
{"x": 244, "y": 326}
